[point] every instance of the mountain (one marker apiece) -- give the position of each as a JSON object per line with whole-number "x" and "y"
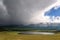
{"x": 40, "y": 26}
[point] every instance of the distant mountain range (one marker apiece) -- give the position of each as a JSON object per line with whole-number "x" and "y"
{"x": 41, "y": 26}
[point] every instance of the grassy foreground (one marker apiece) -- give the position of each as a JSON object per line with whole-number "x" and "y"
{"x": 15, "y": 36}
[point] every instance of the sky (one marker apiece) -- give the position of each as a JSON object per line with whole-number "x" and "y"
{"x": 29, "y": 11}
{"x": 54, "y": 13}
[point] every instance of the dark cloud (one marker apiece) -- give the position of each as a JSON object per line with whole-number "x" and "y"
{"x": 21, "y": 11}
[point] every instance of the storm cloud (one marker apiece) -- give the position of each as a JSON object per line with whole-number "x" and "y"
{"x": 23, "y": 11}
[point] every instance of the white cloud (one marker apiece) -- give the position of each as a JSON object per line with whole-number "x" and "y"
{"x": 40, "y": 18}
{"x": 39, "y": 15}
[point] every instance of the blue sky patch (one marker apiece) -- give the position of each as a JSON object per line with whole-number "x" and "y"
{"x": 53, "y": 12}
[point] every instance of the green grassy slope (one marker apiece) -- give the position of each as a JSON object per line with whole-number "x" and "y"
{"x": 15, "y": 36}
